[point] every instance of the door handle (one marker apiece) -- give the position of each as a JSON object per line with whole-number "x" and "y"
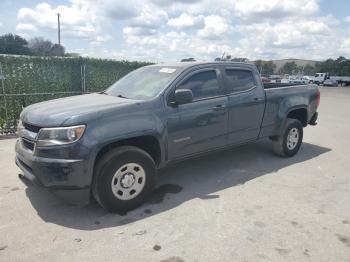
{"x": 257, "y": 99}
{"x": 219, "y": 107}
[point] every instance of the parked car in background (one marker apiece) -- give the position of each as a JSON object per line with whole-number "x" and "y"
{"x": 299, "y": 80}
{"x": 285, "y": 81}
{"x": 330, "y": 82}
{"x": 275, "y": 78}
{"x": 265, "y": 79}
{"x": 295, "y": 80}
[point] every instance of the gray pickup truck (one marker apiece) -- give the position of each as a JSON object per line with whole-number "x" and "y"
{"x": 109, "y": 145}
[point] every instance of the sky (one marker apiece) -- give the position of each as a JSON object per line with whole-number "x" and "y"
{"x": 170, "y": 30}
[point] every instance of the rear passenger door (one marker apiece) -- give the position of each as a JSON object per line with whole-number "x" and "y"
{"x": 202, "y": 124}
{"x": 246, "y": 104}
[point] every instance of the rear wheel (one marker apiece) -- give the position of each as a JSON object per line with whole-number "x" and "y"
{"x": 289, "y": 142}
{"x": 124, "y": 178}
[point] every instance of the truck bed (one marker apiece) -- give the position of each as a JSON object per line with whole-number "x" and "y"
{"x": 279, "y": 98}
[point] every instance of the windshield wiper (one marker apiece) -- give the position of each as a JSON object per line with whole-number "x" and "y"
{"x": 105, "y": 93}
{"x": 121, "y": 96}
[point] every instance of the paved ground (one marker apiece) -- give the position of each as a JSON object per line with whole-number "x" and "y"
{"x": 240, "y": 205}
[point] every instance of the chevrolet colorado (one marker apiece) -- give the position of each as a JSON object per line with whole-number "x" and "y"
{"x": 109, "y": 145}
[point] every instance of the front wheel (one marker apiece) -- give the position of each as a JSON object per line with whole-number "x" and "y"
{"x": 289, "y": 142}
{"x": 124, "y": 177}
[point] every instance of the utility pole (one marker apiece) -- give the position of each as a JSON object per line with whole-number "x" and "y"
{"x": 223, "y": 55}
{"x": 59, "y": 29}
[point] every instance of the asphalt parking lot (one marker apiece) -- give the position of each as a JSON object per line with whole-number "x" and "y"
{"x": 244, "y": 204}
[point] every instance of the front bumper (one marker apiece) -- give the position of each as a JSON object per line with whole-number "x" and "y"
{"x": 67, "y": 178}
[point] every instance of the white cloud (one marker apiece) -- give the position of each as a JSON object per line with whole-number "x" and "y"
{"x": 76, "y": 21}
{"x": 1, "y": 25}
{"x": 26, "y": 27}
{"x": 149, "y": 17}
{"x": 138, "y": 31}
{"x": 186, "y": 21}
{"x": 171, "y": 46}
{"x": 171, "y": 2}
{"x": 300, "y": 38}
{"x": 274, "y": 8}
{"x": 345, "y": 46}
{"x": 145, "y": 28}
{"x": 163, "y": 30}
{"x": 214, "y": 27}
{"x": 100, "y": 39}
{"x": 347, "y": 19}
{"x": 115, "y": 9}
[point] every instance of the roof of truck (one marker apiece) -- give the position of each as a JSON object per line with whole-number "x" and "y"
{"x": 191, "y": 64}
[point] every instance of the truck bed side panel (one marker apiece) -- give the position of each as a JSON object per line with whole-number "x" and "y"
{"x": 281, "y": 101}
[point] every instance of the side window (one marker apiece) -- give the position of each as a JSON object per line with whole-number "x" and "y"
{"x": 239, "y": 80}
{"x": 204, "y": 84}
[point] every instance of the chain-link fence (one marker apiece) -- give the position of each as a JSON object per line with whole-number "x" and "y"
{"x": 26, "y": 80}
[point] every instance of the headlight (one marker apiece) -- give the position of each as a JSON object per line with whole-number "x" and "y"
{"x": 59, "y": 135}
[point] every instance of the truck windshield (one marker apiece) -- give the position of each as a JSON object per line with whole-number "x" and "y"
{"x": 143, "y": 83}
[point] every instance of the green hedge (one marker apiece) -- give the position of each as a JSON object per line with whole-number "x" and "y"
{"x": 31, "y": 79}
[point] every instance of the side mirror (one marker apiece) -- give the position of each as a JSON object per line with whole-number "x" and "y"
{"x": 183, "y": 96}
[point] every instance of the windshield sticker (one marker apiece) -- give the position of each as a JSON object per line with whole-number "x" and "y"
{"x": 167, "y": 70}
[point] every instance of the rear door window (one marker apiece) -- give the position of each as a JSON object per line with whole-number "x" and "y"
{"x": 239, "y": 80}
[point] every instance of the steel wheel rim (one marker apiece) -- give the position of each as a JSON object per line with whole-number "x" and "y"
{"x": 292, "y": 138}
{"x": 128, "y": 181}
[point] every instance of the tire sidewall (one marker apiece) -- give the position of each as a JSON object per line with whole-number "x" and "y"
{"x": 290, "y": 125}
{"x": 109, "y": 167}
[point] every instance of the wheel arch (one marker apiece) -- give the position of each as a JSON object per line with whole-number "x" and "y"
{"x": 149, "y": 143}
{"x": 298, "y": 113}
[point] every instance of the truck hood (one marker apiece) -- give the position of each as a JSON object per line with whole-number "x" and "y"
{"x": 81, "y": 107}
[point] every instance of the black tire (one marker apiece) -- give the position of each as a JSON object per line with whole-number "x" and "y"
{"x": 279, "y": 143}
{"x": 107, "y": 167}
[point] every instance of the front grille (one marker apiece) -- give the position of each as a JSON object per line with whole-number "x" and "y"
{"x": 31, "y": 127}
{"x": 28, "y": 144}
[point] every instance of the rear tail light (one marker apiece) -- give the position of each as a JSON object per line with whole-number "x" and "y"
{"x": 318, "y": 98}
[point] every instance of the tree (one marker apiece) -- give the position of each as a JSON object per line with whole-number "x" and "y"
{"x": 57, "y": 50}
{"x": 339, "y": 67}
{"x": 240, "y": 59}
{"x": 344, "y": 68}
{"x": 341, "y": 59}
{"x": 265, "y": 67}
{"x": 309, "y": 70}
{"x": 40, "y": 47}
{"x": 259, "y": 64}
{"x": 13, "y": 44}
{"x": 268, "y": 67}
{"x": 229, "y": 58}
{"x": 289, "y": 68}
{"x": 191, "y": 59}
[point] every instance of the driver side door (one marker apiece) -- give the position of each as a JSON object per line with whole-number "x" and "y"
{"x": 200, "y": 125}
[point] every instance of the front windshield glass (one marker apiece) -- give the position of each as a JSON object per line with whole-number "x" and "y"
{"x": 143, "y": 83}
